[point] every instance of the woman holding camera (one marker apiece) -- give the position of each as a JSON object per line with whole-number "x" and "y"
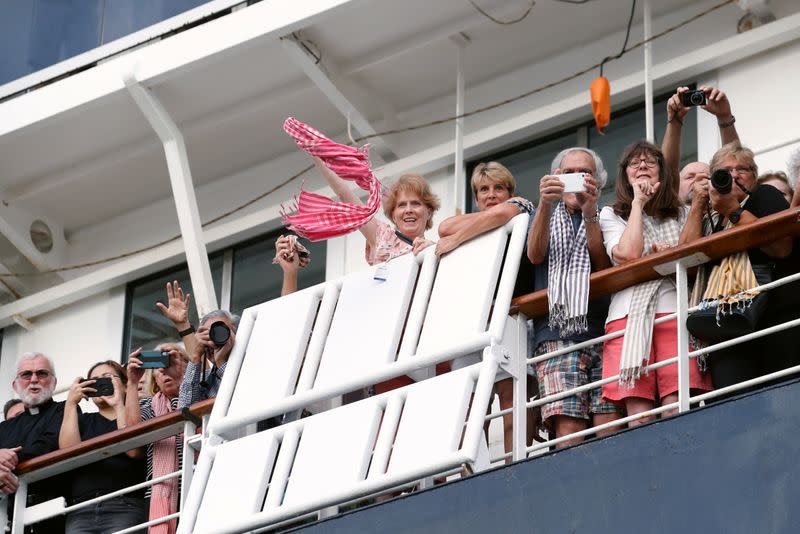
{"x": 164, "y": 456}
{"x": 743, "y": 203}
{"x": 647, "y": 217}
{"x": 106, "y": 388}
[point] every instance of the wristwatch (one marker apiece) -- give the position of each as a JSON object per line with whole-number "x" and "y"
{"x": 593, "y": 219}
{"x": 735, "y": 215}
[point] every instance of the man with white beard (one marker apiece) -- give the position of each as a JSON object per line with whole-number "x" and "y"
{"x": 34, "y": 432}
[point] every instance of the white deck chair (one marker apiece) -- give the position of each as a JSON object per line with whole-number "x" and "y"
{"x": 271, "y": 345}
{"x": 369, "y": 320}
{"x": 467, "y": 281}
{"x": 325, "y": 459}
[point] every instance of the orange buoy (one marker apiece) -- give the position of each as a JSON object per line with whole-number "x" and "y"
{"x": 601, "y": 102}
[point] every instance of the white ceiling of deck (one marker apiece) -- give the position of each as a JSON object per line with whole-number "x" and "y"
{"x": 231, "y": 106}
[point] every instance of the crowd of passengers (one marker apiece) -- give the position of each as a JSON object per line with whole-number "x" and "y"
{"x": 656, "y": 206}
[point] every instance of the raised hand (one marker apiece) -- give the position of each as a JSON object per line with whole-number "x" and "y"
{"x": 675, "y": 107}
{"x": 588, "y": 199}
{"x": 718, "y": 103}
{"x": 177, "y": 309}
{"x": 134, "y": 367}
{"x": 550, "y": 189}
{"x": 78, "y": 390}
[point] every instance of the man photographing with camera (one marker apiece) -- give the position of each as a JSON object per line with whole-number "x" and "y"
{"x": 209, "y": 347}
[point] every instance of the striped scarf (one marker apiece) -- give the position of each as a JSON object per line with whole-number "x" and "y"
{"x": 642, "y": 312}
{"x": 568, "y": 274}
{"x": 728, "y": 287}
{"x": 318, "y": 217}
{"x": 164, "y": 495}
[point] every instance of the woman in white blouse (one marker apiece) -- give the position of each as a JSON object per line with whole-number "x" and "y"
{"x": 647, "y": 217}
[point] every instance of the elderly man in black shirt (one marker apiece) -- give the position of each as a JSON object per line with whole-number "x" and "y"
{"x": 35, "y": 431}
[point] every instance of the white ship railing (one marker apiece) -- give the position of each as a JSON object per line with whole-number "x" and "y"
{"x": 678, "y": 260}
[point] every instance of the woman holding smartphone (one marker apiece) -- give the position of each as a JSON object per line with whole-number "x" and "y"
{"x": 109, "y": 474}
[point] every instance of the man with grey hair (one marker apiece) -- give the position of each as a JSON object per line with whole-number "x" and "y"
{"x": 565, "y": 245}
{"x": 206, "y": 346}
{"x": 34, "y": 432}
{"x": 198, "y": 383}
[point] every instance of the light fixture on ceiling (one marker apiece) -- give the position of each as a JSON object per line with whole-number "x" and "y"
{"x": 41, "y": 236}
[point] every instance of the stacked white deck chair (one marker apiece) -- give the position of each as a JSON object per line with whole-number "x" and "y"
{"x": 337, "y": 337}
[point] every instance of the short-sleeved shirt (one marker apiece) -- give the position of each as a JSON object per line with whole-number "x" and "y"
{"x": 598, "y": 308}
{"x": 108, "y": 474}
{"x": 387, "y": 245}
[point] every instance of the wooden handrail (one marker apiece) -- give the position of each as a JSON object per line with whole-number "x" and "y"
{"x": 719, "y": 245}
{"x": 109, "y": 444}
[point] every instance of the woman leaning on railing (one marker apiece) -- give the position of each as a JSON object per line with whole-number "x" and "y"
{"x": 647, "y": 217}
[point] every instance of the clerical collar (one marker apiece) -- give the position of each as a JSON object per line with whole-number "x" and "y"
{"x": 36, "y": 410}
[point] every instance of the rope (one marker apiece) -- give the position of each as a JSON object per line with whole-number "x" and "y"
{"x": 378, "y": 134}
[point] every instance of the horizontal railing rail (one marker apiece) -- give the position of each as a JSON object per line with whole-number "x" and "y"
{"x": 605, "y": 282}
{"x": 119, "y": 441}
{"x": 609, "y": 281}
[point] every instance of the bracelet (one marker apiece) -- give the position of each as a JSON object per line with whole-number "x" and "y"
{"x": 727, "y": 124}
{"x": 594, "y": 219}
{"x": 676, "y": 119}
{"x": 183, "y": 333}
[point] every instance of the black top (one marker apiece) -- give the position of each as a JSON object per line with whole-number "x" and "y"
{"x": 764, "y": 200}
{"x": 36, "y": 430}
{"x": 109, "y": 474}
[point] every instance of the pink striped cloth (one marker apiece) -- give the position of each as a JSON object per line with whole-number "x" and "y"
{"x": 164, "y": 495}
{"x": 318, "y": 217}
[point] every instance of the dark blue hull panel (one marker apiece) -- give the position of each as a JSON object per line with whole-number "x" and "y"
{"x": 729, "y": 467}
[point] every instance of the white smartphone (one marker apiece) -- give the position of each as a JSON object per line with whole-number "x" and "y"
{"x": 573, "y": 182}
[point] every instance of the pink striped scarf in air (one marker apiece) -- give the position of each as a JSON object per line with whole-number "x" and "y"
{"x": 318, "y": 217}
{"x": 164, "y": 495}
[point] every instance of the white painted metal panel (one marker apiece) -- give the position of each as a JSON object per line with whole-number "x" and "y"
{"x": 462, "y": 293}
{"x": 275, "y": 350}
{"x": 334, "y": 452}
{"x": 432, "y": 421}
{"x": 368, "y": 321}
{"x": 238, "y": 480}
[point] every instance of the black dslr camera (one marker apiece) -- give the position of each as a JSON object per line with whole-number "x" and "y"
{"x": 219, "y": 332}
{"x": 693, "y": 98}
{"x": 722, "y": 181}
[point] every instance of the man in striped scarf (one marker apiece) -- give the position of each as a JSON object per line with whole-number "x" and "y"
{"x": 565, "y": 245}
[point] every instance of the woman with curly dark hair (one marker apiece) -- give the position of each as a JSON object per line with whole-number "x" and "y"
{"x": 647, "y": 217}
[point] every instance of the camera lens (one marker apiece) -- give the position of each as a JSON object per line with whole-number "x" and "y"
{"x": 219, "y": 333}
{"x": 722, "y": 181}
{"x": 697, "y": 98}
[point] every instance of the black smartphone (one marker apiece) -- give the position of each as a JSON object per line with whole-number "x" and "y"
{"x": 103, "y": 385}
{"x": 694, "y": 98}
{"x": 154, "y": 359}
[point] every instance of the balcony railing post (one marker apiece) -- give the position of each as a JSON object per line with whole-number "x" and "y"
{"x": 682, "y": 284}
{"x": 520, "y": 377}
{"x": 20, "y": 501}
{"x": 187, "y": 464}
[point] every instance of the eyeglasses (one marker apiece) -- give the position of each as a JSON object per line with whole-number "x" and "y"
{"x": 647, "y": 161}
{"x": 739, "y": 169}
{"x": 41, "y": 374}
